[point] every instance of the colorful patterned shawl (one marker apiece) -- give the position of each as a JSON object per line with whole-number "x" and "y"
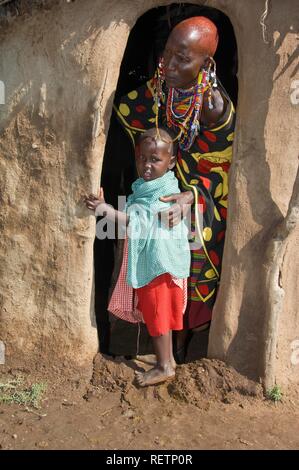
{"x": 204, "y": 170}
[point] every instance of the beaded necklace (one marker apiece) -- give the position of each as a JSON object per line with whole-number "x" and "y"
{"x": 180, "y": 103}
{"x": 183, "y": 108}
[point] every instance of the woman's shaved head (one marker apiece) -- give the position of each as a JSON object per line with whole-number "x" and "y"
{"x": 201, "y": 29}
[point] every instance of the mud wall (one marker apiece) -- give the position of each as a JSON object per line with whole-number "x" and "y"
{"x": 60, "y": 67}
{"x": 261, "y": 181}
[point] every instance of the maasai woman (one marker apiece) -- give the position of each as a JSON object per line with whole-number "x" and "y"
{"x": 186, "y": 96}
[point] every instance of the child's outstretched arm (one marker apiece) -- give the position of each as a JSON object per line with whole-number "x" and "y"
{"x": 98, "y": 204}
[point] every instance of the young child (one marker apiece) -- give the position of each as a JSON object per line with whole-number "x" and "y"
{"x": 156, "y": 262}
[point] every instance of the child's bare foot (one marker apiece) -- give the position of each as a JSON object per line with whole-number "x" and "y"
{"x": 151, "y": 360}
{"x": 155, "y": 375}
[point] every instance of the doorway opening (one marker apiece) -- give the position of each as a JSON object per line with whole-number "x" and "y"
{"x": 144, "y": 47}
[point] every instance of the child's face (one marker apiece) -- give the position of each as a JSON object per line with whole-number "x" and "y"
{"x": 153, "y": 159}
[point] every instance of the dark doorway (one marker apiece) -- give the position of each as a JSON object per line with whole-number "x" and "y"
{"x": 144, "y": 47}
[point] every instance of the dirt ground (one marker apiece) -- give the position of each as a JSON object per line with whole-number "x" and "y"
{"x": 208, "y": 406}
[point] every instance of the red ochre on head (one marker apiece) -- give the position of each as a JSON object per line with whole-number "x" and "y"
{"x": 204, "y": 28}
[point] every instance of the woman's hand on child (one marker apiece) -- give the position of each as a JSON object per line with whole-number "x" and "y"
{"x": 182, "y": 205}
{"x": 92, "y": 201}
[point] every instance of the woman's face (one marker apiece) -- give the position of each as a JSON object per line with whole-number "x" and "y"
{"x": 183, "y": 59}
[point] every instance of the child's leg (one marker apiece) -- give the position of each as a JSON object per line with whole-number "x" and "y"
{"x": 151, "y": 359}
{"x": 162, "y": 350}
{"x": 163, "y": 369}
{"x": 172, "y": 360}
{"x": 161, "y": 303}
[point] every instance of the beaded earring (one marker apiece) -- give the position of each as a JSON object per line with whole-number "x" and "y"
{"x": 213, "y": 73}
{"x": 158, "y": 83}
{"x": 210, "y": 103}
{"x": 161, "y": 68}
{"x": 212, "y": 80}
{"x": 159, "y": 94}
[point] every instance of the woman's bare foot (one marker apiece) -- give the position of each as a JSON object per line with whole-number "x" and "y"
{"x": 151, "y": 360}
{"x": 155, "y": 375}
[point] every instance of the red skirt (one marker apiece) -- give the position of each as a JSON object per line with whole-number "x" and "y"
{"x": 161, "y": 303}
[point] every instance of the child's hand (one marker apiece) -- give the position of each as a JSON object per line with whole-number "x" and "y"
{"x": 93, "y": 201}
